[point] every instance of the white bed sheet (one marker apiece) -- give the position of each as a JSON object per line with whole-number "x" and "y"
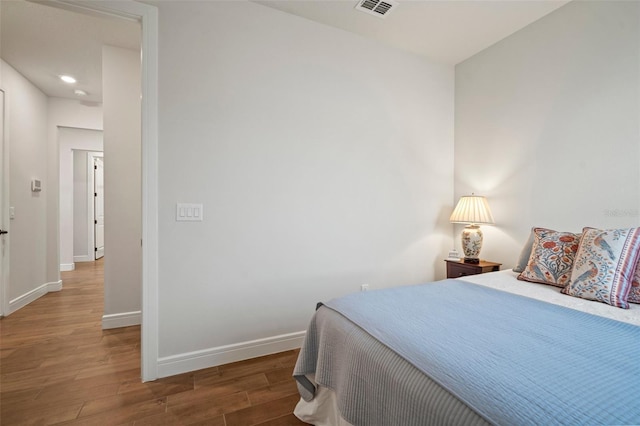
{"x": 507, "y": 281}
{"x": 322, "y": 410}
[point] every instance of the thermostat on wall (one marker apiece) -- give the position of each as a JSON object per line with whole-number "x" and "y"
{"x": 36, "y": 185}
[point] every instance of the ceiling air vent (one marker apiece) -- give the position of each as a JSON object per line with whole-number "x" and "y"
{"x": 379, "y": 8}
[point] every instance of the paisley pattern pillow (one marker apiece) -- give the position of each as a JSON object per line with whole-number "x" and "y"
{"x": 605, "y": 265}
{"x": 634, "y": 293}
{"x": 551, "y": 257}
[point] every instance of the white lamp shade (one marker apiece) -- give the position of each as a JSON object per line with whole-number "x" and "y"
{"x": 472, "y": 209}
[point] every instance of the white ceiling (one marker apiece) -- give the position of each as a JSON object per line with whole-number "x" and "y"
{"x": 448, "y": 31}
{"x": 42, "y": 42}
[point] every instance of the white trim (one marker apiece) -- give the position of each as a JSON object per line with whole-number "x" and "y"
{"x": 54, "y": 286}
{"x": 22, "y": 301}
{"x": 197, "y": 360}
{"x": 148, "y": 16}
{"x": 4, "y": 204}
{"x": 67, "y": 267}
{"x": 150, "y": 279}
{"x": 83, "y": 258}
{"x": 124, "y": 319}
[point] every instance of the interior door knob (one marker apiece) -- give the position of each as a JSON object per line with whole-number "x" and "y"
{"x": 3, "y": 232}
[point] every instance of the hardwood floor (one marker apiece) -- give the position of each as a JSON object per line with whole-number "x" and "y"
{"x": 57, "y": 366}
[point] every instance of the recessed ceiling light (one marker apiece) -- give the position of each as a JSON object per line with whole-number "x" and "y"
{"x": 80, "y": 92}
{"x": 67, "y": 79}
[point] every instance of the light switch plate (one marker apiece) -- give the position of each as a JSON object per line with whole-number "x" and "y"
{"x": 36, "y": 185}
{"x": 189, "y": 212}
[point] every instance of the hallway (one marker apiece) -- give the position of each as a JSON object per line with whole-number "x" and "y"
{"x": 57, "y": 366}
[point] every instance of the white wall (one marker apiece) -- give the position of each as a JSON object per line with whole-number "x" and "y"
{"x": 69, "y": 140}
{"x": 323, "y": 160}
{"x": 26, "y": 140}
{"x": 122, "y": 194}
{"x": 547, "y": 125}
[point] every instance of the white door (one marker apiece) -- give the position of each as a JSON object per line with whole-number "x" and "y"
{"x": 4, "y": 225}
{"x": 98, "y": 206}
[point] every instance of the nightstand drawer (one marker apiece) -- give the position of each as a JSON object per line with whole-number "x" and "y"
{"x": 457, "y": 269}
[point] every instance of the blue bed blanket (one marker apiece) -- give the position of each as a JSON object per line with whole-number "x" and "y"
{"x": 512, "y": 359}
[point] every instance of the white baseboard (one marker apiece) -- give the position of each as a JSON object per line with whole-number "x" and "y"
{"x": 55, "y": 286}
{"x": 36, "y": 293}
{"x": 197, "y": 360}
{"x": 67, "y": 267}
{"x": 83, "y": 258}
{"x": 124, "y": 319}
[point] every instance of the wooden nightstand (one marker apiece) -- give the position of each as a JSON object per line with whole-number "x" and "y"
{"x": 457, "y": 268}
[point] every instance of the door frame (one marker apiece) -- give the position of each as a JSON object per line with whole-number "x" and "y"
{"x": 4, "y": 205}
{"x": 147, "y": 16}
{"x": 91, "y": 156}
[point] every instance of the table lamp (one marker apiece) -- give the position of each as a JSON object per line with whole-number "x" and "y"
{"x": 472, "y": 210}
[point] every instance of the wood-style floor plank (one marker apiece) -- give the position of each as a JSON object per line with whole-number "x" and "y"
{"x": 57, "y": 366}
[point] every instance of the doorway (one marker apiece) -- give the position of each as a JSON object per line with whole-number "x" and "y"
{"x": 88, "y": 193}
{"x": 148, "y": 17}
{"x": 75, "y": 198}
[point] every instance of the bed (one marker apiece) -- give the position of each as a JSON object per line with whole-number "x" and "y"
{"x": 483, "y": 349}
